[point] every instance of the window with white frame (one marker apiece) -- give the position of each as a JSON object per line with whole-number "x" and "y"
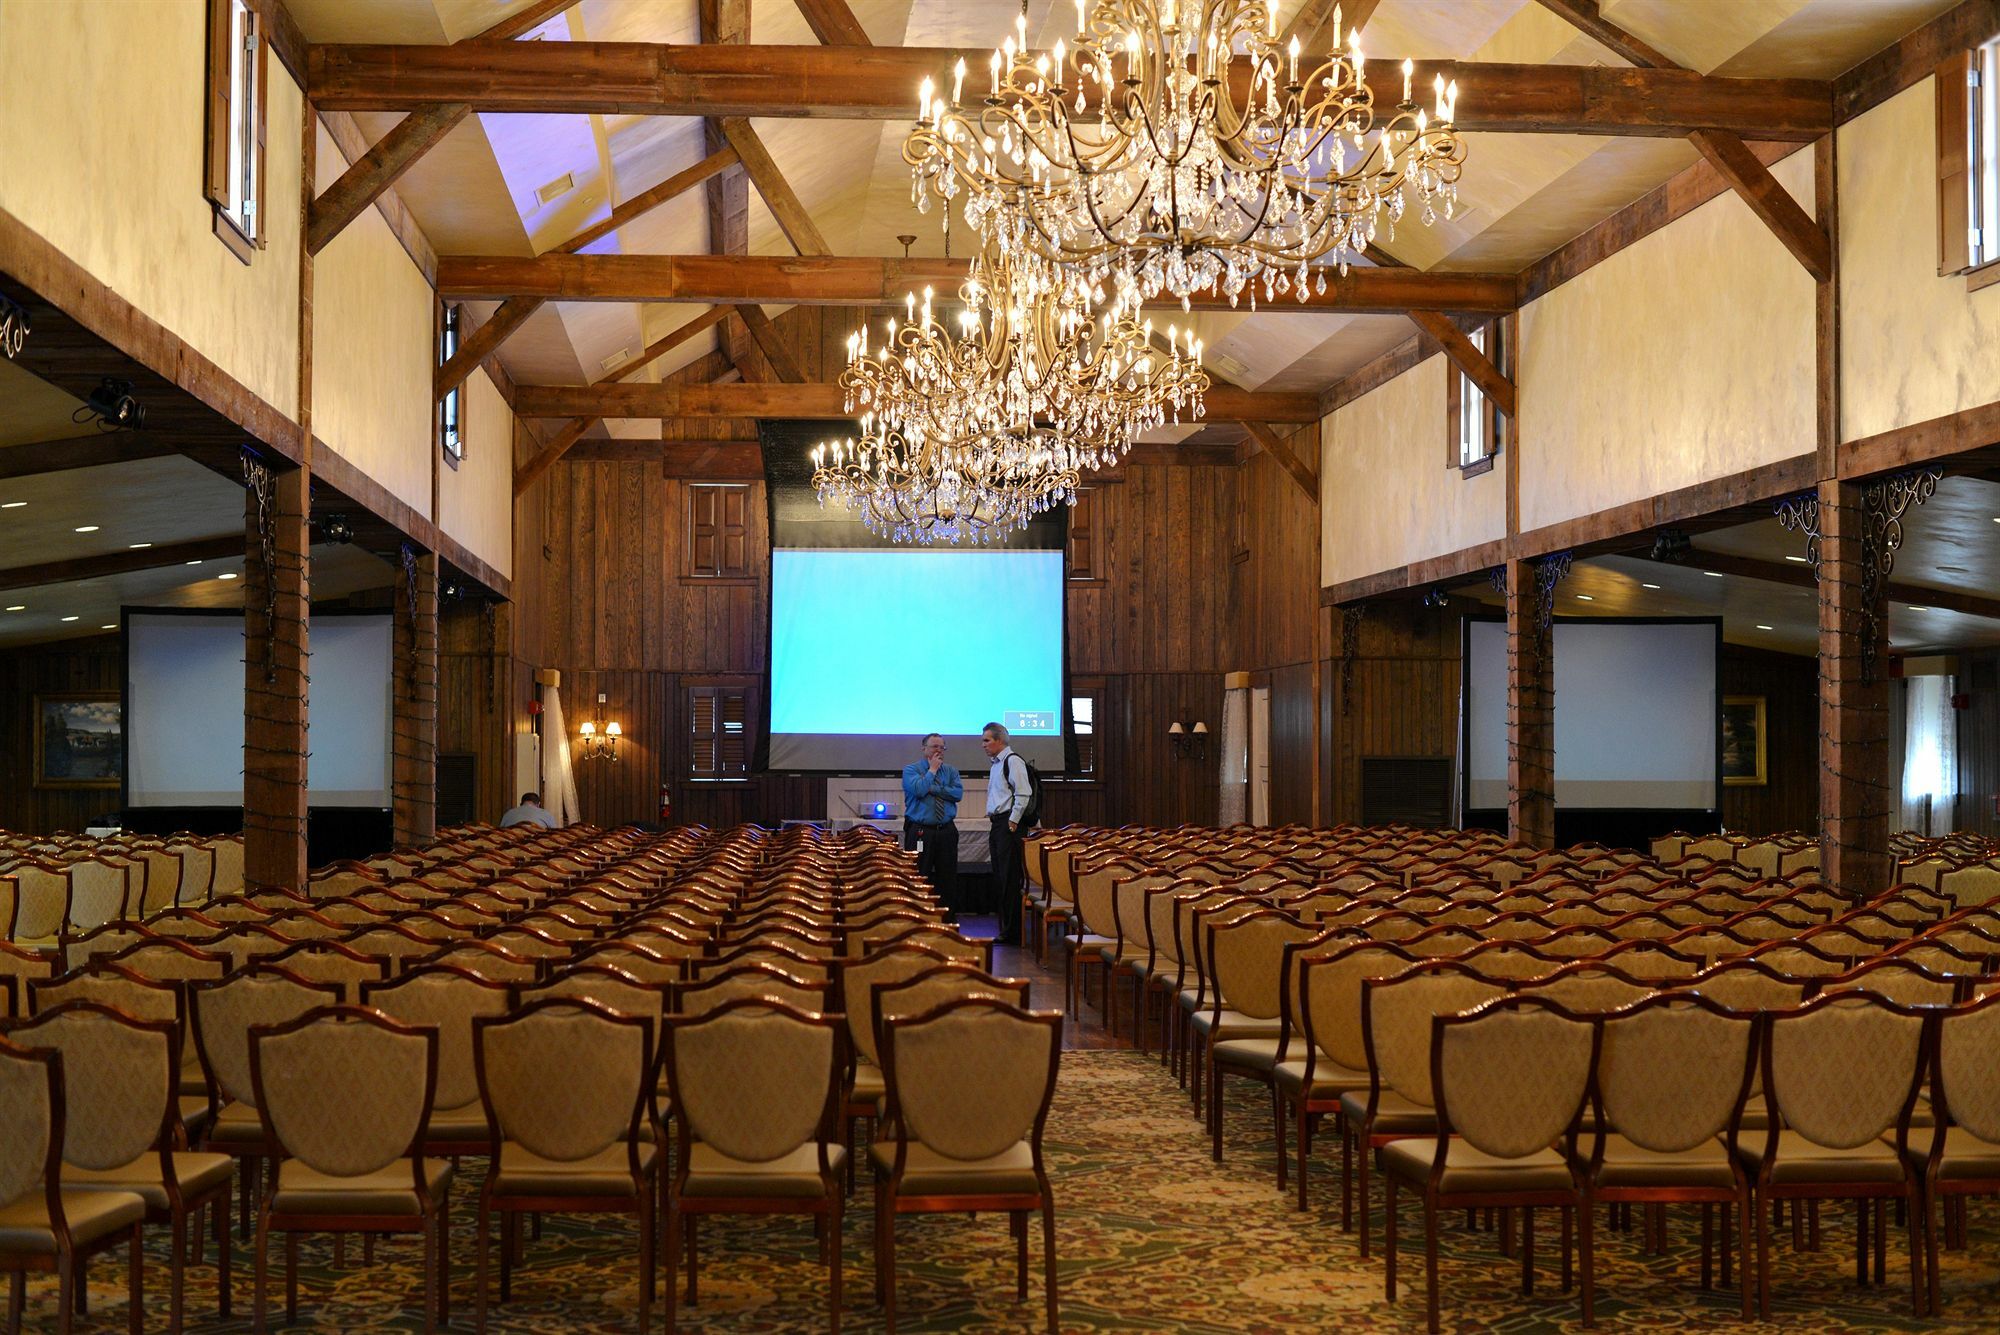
{"x": 451, "y": 408}
{"x": 1983, "y": 152}
{"x": 1474, "y": 423}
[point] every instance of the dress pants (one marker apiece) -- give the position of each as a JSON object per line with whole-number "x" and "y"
{"x": 1008, "y": 866}
{"x": 937, "y": 858}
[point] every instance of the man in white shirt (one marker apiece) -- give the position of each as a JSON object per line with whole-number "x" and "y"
{"x": 530, "y": 812}
{"x": 1007, "y": 792}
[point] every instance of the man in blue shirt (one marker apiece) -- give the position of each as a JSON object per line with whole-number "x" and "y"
{"x": 931, "y": 792}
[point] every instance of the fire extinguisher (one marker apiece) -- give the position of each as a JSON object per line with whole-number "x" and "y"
{"x": 666, "y": 805}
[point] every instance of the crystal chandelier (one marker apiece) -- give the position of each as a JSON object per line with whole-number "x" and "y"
{"x": 1175, "y": 148}
{"x": 969, "y": 435}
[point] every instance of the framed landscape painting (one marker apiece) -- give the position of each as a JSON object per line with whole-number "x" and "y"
{"x": 79, "y": 741}
{"x": 1743, "y": 740}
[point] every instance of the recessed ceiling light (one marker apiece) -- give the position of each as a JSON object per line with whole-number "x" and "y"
{"x": 1915, "y": 608}
{"x": 1585, "y": 598}
{"x": 1763, "y": 627}
{"x": 86, "y": 528}
{"x": 1649, "y": 586}
{"x": 1713, "y": 574}
{"x": 194, "y": 563}
{"x": 140, "y": 546}
{"x": 69, "y": 618}
{"x": 112, "y": 626}
{"x": 226, "y": 575}
{"x": 15, "y": 505}
{"x": 18, "y": 607}
{"x": 1799, "y": 559}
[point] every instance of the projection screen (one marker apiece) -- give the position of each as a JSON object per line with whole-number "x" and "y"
{"x": 184, "y": 709}
{"x": 1637, "y": 714}
{"x": 873, "y": 647}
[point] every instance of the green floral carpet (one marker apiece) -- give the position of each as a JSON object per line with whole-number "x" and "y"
{"x": 1151, "y": 1236}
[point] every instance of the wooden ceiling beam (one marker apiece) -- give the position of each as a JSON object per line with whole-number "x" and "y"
{"x": 572, "y": 431}
{"x": 58, "y": 456}
{"x": 778, "y": 194}
{"x": 1799, "y": 576}
{"x": 833, "y": 23}
{"x": 122, "y": 563}
{"x": 1310, "y": 25}
{"x": 507, "y": 29}
{"x": 823, "y": 402}
{"x": 880, "y": 83}
{"x": 378, "y": 169}
{"x": 1469, "y": 358}
{"x": 1279, "y": 447}
{"x": 484, "y": 341}
{"x": 1723, "y": 149}
{"x": 773, "y": 347}
{"x": 874, "y": 281}
{"x": 726, "y": 23}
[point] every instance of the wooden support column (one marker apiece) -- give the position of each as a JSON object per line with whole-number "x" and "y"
{"x": 1531, "y": 710}
{"x": 276, "y": 612}
{"x": 1854, "y": 798}
{"x": 415, "y": 729}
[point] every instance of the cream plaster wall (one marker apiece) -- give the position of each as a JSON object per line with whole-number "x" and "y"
{"x": 101, "y": 137}
{"x": 1685, "y": 357}
{"x": 373, "y": 326}
{"x": 1386, "y": 497}
{"x": 1913, "y": 346}
{"x": 476, "y": 499}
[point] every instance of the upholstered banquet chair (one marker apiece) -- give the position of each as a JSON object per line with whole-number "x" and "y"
{"x": 44, "y": 1226}
{"x": 969, "y": 1087}
{"x": 447, "y": 999}
{"x": 344, "y": 1095}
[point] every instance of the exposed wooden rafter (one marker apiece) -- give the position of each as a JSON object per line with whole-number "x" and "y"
{"x": 879, "y": 83}
{"x": 1802, "y": 577}
{"x": 572, "y": 431}
{"x": 378, "y": 169}
{"x": 1279, "y": 447}
{"x": 833, "y": 22}
{"x": 773, "y": 347}
{"x": 122, "y": 563}
{"x": 778, "y": 194}
{"x": 57, "y": 456}
{"x": 822, "y": 402}
{"x": 726, "y": 23}
{"x": 507, "y": 29}
{"x": 874, "y": 281}
{"x": 1468, "y": 357}
{"x": 514, "y": 312}
{"x": 1724, "y": 149}
{"x": 1311, "y": 26}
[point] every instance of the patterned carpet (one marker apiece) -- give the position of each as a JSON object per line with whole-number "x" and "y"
{"x": 1151, "y": 1236}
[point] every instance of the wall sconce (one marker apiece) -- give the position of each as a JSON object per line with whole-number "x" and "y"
{"x": 1188, "y": 741}
{"x": 600, "y": 736}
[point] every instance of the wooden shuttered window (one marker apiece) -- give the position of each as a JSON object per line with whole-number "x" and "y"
{"x": 1083, "y": 546}
{"x": 1957, "y": 139}
{"x": 236, "y": 93}
{"x": 718, "y": 737}
{"x": 718, "y": 530}
{"x": 1083, "y": 728}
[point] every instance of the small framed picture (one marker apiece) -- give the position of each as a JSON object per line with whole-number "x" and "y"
{"x": 79, "y": 740}
{"x": 1743, "y": 741}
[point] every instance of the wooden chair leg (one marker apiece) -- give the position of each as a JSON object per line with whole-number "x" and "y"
{"x": 66, "y": 1283}
{"x": 885, "y": 1247}
{"x": 1430, "y": 1264}
{"x": 177, "y": 1272}
{"x": 261, "y": 1262}
{"x": 1586, "y": 1255}
{"x": 482, "y": 1245}
{"x": 1049, "y": 1259}
{"x": 1019, "y": 1224}
{"x": 694, "y": 1259}
{"x": 833, "y": 1256}
{"x": 135, "y": 1286}
{"x": 670, "y": 1298}
{"x": 220, "y": 1209}
{"x": 1389, "y": 1237}
{"x": 291, "y": 1279}
{"x": 1763, "y": 1264}
{"x": 1528, "y": 1251}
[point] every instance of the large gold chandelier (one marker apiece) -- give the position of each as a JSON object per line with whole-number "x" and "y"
{"x": 1175, "y": 148}
{"x": 969, "y": 435}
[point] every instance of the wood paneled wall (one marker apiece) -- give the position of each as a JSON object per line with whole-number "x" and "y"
{"x": 94, "y": 664}
{"x": 1397, "y": 695}
{"x": 1162, "y": 602}
{"x": 1789, "y": 799}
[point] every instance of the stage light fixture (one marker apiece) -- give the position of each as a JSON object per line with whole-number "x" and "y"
{"x": 113, "y": 405}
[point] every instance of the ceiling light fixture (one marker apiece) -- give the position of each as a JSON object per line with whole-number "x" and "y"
{"x": 1799, "y": 559}
{"x": 227, "y": 575}
{"x": 1762, "y": 627}
{"x": 1585, "y": 598}
{"x": 112, "y": 626}
{"x": 12, "y": 505}
{"x": 86, "y": 528}
{"x": 69, "y": 618}
{"x": 1177, "y": 148}
{"x": 1915, "y": 608}
{"x": 113, "y": 405}
{"x": 139, "y": 546}
{"x": 1713, "y": 574}
{"x": 1649, "y": 586}
{"x": 18, "y": 607}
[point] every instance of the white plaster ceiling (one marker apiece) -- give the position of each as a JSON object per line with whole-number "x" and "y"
{"x": 1522, "y": 195}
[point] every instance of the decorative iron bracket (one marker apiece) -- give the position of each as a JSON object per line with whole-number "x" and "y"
{"x": 1550, "y": 571}
{"x": 1800, "y": 514}
{"x": 14, "y": 326}
{"x": 1883, "y": 504}
{"x": 1497, "y": 577}
{"x": 407, "y": 555}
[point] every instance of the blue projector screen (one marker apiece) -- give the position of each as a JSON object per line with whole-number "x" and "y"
{"x": 873, "y": 648}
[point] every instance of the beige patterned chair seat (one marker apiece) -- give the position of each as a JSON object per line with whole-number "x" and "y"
{"x": 1252, "y": 1054}
{"x": 467, "y": 1123}
{"x": 869, "y": 1084}
{"x": 1395, "y": 1115}
{"x": 1468, "y": 1169}
{"x": 386, "y": 1191}
{"x": 928, "y": 1173}
{"x": 1966, "y": 1157}
{"x": 194, "y": 1114}
{"x": 1630, "y": 1165}
{"x": 606, "y": 1173}
{"x": 1090, "y": 943}
{"x": 713, "y": 1173}
{"x": 196, "y": 1174}
{"x": 24, "y": 1225}
{"x": 1801, "y": 1161}
{"x": 1329, "y": 1077}
{"x": 1235, "y": 1024}
{"x": 237, "y": 1124}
